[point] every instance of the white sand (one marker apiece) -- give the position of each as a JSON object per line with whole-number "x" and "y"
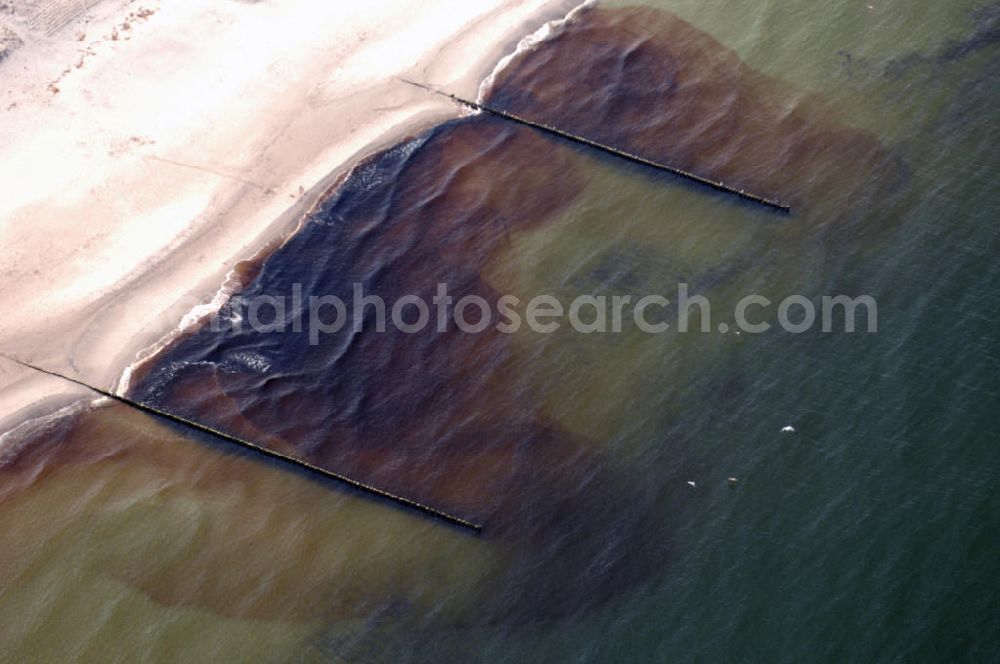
{"x": 147, "y": 146}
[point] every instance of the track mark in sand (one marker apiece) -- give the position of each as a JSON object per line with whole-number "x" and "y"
{"x": 49, "y": 16}
{"x": 205, "y": 169}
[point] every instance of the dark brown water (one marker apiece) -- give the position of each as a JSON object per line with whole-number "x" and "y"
{"x": 456, "y": 420}
{"x": 573, "y": 451}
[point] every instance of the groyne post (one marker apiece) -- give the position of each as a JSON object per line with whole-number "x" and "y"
{"x": 265, "y": 452}
{"x": 540, "y": 126}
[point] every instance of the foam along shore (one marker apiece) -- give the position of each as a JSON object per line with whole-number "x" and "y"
{"x": 150, "y": 146}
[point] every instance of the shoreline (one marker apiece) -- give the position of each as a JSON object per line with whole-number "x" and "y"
{"x": 122, "y": 316}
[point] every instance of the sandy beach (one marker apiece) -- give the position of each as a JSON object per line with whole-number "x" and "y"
{"x": 150, "y": 146}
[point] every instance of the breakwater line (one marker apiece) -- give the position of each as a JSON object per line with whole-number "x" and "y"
{"x": 687, "y": 175}
{"x": 263, "y": 451}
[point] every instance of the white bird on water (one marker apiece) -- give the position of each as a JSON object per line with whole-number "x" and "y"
{"x": 691, "y": 483}
{"x": 788, "y": 429}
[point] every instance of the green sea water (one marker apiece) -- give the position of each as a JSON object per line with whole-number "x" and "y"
{"x": 870, "y": 534}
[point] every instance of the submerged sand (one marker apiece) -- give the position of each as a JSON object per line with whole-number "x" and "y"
{"x": 150, "y": 146}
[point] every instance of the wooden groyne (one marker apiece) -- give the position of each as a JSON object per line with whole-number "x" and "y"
{"x": 687, "y": 175}
{"x": 263, "y": 451}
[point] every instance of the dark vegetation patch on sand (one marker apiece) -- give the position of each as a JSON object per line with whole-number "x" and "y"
{"x": 9, "y": 42}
